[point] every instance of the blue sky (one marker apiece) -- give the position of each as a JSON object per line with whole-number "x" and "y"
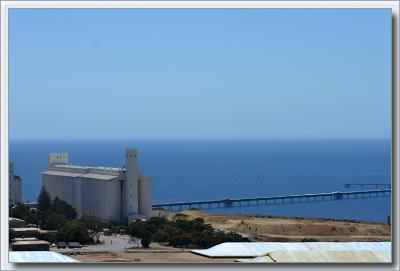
{"x": 199, "y": 73}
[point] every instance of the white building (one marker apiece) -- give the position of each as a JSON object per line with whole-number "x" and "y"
{"x": 105, "y": 193}
{"x": 14, "y": 186}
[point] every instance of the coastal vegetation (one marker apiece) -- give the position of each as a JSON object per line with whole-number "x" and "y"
{"x": 181, "y": 232}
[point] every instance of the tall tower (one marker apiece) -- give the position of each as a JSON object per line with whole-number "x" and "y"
{"x": 11, "y": 188}
{"x": 131, "y": 186}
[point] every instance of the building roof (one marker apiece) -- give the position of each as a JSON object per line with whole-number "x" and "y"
{"x": 30, "y": 242}
{"x": 26, "y": 239}
{"x": 255, "y": 249}
{"x": 99, "y": 176}
{"x": 88, "y": 167}
{"x": 62, "y": 173}
{"x": 38, "y": 257}
{"x": 323, "y": 256}
{"x": 25, "y": 229}
{"x": 80, "y": 175}
{"x": 15, "y": 219}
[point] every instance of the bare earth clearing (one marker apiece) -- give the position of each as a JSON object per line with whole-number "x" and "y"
{"x": 272, "y": 229}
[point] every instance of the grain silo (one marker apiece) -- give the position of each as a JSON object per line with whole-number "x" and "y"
{"x": 105, "y": 193}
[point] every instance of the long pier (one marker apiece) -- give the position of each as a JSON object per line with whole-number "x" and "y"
{"x": 289, "y": 199}
{"x": 361, "y": 185}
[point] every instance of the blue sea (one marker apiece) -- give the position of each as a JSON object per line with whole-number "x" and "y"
{"x": 203, "y": 170}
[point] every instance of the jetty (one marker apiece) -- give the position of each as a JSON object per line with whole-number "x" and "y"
{"x": 288, "y": 199}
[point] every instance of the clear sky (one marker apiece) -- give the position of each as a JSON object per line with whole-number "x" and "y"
{"x": 200, "y": 73}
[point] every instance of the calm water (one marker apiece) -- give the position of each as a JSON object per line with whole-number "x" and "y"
{"x": 200, "y": 170}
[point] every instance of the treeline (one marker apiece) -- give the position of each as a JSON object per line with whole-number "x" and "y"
{"x": 56, "y": 216}
{"x": 50, "y": 214}
{"x": 181, "y": 232}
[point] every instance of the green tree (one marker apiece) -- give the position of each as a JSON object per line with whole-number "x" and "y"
{"x": 11, "y": 235}
{"x": 181, "y": 240}
{"x": 32, "y": 218}
{"x": 160, "y": 236}
{"x": 19, "y": 211}
{"x": 62, "y": 207}
{"x": 44, "y": 199}
{"x": 52, "y": 221}
{"x": 145, "y": 242}
{"x": 74, "y": 231}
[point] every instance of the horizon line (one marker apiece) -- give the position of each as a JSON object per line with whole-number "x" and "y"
{"x": 196, "y": 139}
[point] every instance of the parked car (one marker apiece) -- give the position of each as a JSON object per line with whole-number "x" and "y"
{"x": 74, "y": 245}
{"x": 61, "y": 245}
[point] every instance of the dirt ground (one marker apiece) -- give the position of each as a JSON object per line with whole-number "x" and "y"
{"x": 148, "y": 257}
{"x": 259, "y": 228}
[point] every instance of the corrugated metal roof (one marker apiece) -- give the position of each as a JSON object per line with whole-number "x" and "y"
{"x": 61, "y": 173}
{"x": 89, "y": 167}
{"x": 38, "y": 257}
{"x": 323, "y": 256}
{"x": 82, "y": 175}
{"x": 254, "y": 249}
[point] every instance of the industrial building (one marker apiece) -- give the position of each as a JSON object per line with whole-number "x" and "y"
{"x": 300, "y": 252}
{"x": 31, "y": 245}
{"x": 14, "y": 186}
{"x": 105, "y": 193}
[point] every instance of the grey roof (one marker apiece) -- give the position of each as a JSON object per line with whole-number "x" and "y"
{"x": 80, "y": 175}
{"x": 25, "y": 229}
{"x": 15, "y": 219}
{"x": 31, "y": 242}
{"x": 99, "y": 176}
{"x": 255, "y": 249}
{"x": 61, "y": 173}
{"x": 38, "y": 257}
{"x": 323, "y": 256}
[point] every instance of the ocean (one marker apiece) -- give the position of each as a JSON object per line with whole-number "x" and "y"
{"x": 218, "y": 169}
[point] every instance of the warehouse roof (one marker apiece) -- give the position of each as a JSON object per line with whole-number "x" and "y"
{"x": 31, "y": 242}
{"x": 25, "y": 229}
{"x": 15, "y": 219}
{"x": 325, "y": 256}
{"x": 254, "y": 249}
{"x": 38, "y": 257}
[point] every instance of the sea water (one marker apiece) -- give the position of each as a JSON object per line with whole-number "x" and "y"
{"x": 218, "y": 169}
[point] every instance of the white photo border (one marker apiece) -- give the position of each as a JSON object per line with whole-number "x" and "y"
{"x": 7, "y": 5}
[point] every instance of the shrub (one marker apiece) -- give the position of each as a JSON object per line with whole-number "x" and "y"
{"x": 145, "y": 241}
{"x": 74, "y": 231}
{"x": 160, "y": 236}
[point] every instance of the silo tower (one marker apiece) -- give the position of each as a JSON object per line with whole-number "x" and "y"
{"x": 131, "y": 183}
